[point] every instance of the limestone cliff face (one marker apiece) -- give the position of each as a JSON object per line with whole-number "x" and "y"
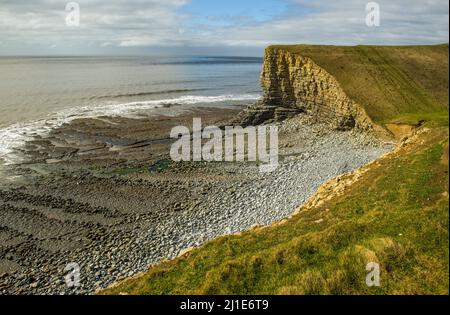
{"x": 295, "y": 82}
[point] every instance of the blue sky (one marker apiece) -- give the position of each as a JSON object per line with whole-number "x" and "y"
{"x": 229, "y": 12}
{"x": 226, "y": 27}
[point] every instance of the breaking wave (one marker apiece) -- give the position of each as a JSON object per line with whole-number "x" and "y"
{"x": 13, "y": 137}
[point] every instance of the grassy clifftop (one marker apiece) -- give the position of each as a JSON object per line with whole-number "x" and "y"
{"x": 395, "y": 214}
{"x": 392, "y": 83}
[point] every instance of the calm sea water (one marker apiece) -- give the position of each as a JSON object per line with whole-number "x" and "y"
{"x": 38, "y": 93}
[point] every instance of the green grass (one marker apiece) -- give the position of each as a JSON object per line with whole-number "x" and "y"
{"x": 432, "y": 119}
{"x": 396, "y": 215}
{"x": 388, "y": 81}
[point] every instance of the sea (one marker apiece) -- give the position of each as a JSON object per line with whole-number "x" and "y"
{"x": 41, "y": 93}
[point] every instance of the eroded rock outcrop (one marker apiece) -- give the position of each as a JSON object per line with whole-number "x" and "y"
{"x": 294, "y": 84}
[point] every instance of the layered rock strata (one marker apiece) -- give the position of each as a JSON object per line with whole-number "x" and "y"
{"x": 294, "y": 84}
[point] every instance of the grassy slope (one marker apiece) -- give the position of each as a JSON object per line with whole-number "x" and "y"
{"x": 396, "y": 214}
{"x": 391, "y": 82}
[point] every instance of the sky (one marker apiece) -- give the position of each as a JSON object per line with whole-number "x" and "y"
{"x": 212, "y": 27}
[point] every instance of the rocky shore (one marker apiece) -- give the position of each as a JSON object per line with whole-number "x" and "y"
{"x": 103, "y": 193}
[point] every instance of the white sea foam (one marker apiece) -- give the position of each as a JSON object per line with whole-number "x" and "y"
{"x": 16, "y": 135}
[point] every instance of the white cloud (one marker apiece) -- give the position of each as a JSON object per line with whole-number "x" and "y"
{"x": 120, "y": 24}
{"x": 343, "y": 22}
{"x": 125, "y": 23}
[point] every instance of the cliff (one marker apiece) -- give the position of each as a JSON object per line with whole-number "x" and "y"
{"x": 361, "y": 87}
{"x": 294, "y": 81}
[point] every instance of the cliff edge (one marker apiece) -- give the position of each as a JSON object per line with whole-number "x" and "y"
{"x": 362, "y": 87}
